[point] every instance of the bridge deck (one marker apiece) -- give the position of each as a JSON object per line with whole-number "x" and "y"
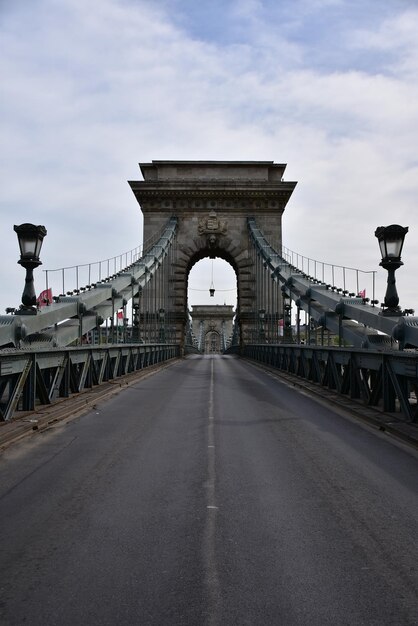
{"x": 209, "y": 493}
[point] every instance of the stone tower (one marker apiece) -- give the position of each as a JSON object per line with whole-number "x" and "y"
{"x": 212, "y": 201}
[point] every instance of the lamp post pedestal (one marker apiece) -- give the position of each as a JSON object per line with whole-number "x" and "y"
{"x": 391, "y": 297}
{"x": 28, "y": 306}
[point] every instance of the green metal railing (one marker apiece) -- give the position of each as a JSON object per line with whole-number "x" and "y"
{"x": 384, "y": 380}
{"x": 30, "y": 379}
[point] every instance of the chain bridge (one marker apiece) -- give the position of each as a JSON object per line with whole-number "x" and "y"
{"x": 193, "y": 210}
{"x": 165, "y": 467}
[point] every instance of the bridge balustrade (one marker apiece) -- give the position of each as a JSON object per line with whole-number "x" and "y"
{"x": 29, "y": 379}
{"x": 379, "y": 379}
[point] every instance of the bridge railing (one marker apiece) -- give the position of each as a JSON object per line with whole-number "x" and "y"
{"x": 387, "y": 381}
{"x": 75, "y": 277}
{"x": 349, "y": 279}
{"x": 29, "y": 380}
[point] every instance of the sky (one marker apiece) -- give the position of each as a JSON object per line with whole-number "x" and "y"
{"x": 90, "y": 89}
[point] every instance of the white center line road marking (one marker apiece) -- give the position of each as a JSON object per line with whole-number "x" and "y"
{"x": 211, "y": 572}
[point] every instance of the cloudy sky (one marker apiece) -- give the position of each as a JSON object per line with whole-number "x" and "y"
{"x": 89, "y": 89}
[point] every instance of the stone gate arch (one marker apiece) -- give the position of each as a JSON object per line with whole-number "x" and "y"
{"x": 212, "y": 323}
{"x": 212, "y": 201}
{"x": 212, "y": 342}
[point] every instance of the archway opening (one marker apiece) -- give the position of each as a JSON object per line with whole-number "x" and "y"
{"x": 212, "y": 272}
{"x": 211, "y": 303}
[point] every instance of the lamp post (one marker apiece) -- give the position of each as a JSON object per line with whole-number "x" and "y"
{"x": 261, "y": 317}
{"x": 161, "y": 314}
{"x": 30, "y": 239}
{"x": 212, "y": 286}
{"x": 391, "y": 240}
{"x": 136, "y": 304}
{"x": 287, "y": 323}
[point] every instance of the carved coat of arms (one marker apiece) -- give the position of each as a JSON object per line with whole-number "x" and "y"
{"x": 212, "y": 225}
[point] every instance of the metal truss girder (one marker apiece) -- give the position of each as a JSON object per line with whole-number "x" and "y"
{"x": 302, "y": 365}
{"x": 376, "y": 387}
{"x": 292, "y": 363}
{"x": 315, "y": 369}
{"x": 400, "y": 390}
{"x": 354, "y": 378}
{"x": 332, "y": 376}
{"x": 17, "y": 388}
{"x": 114, "y": 365}
{"x": 135, "y": 360}
{"x": 58, "y": 379}
{"x": 83, "y": 374}
{"x": 42, "y": 388}
{"x": 103, "y": 367}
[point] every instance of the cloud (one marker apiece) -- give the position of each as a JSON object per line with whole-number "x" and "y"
{"x": 95, "y": 87}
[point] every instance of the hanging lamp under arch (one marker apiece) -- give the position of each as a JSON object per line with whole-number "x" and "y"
{"x": 212, "y": 287}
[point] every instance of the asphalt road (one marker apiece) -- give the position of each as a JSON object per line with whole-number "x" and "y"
{"x": 209, "y": 493}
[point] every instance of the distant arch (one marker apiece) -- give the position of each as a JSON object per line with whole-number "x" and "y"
{"x": 212, "y": 343}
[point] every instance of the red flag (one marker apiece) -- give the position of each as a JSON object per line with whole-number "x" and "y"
{"x": 362, "y": 294}
{"x": 45, "y": 297}
{"x": 120, "y": 315}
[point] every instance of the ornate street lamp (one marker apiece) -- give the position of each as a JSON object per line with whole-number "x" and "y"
{"x": 30, "y": 242}
{"x": 391, "y": 240}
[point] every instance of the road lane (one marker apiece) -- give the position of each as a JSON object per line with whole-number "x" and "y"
{"x": 317, "y": 516}
{"x": 209, "y": 493}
